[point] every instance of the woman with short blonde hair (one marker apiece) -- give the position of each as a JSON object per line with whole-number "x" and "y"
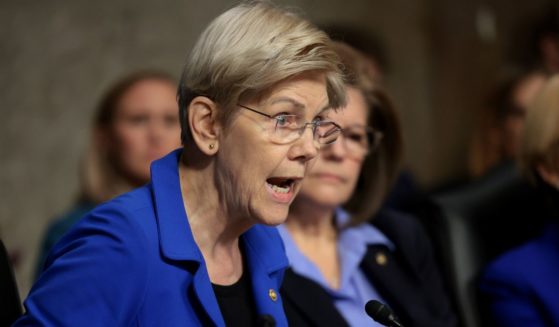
{"x": 197, "y": 246}
{"x": 521, "y": 286}
{"x": 233, "y": 62}
{"x": 540, "y": 146}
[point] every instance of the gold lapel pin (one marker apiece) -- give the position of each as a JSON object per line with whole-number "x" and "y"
{"x": 381, "y": 259}
{"x": 272, "y": 294}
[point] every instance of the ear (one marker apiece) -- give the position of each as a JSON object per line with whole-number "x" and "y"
{"x": 202, "y": 120}
{"x": 549, "y": 176}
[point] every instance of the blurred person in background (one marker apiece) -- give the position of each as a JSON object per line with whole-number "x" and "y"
{"x": 367, "y": 43}
{"x": 405, "y": 194}
{"x": 497, "y": 141}
{"x": 532, "y": 54}
{"x": 338, "y": 260}
{"x": 535, "y": 44}
{"x": 521, "y": 286}
{"x": 135, "y": 123}
{"x": 196, "y": 246}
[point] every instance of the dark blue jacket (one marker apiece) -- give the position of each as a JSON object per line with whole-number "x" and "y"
{"x": 522, "y": 286}
{"x": 133, "y": 262}
{"x": 408, "y": 279}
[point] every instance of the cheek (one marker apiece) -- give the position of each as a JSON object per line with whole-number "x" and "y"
{"x": 514, "y": 126}
{"x": 238, "y": 181}
{"x": 333, "y": 194}
{"x": 237, "y": 168}
{"x": 354, "y": 168}
{"x": 130, "y": 152}
{"x": 513, "y": 135}
{"x": 311, "y": 164}
{"x": 173, "y": 137}
{"x": 130, "y": 141}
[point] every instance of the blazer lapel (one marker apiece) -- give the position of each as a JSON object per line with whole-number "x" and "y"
{"x": 309, "y": 301}
{"x": 204, "y": 293}
{"x": 266, "y": 262}
{"x": 393, "y": 281}
{"x": 175, "y": 236}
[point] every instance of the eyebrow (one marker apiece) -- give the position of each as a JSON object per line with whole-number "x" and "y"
{"x": 325, "y": 109}
{"x": 299, "y": 106}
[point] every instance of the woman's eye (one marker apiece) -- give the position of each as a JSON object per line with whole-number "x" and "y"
{"x": 281, "y": 120}
{"x": 284, "y": 120}
{"x": 356, "y": 137}
{"x": 318, "y": 118}
{"x": 137, "y": 120}
{"x": 171, "y": 121}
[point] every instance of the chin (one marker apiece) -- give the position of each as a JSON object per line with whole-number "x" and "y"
{"x": 325, "y": 199}
{"x": 273, "y": 216}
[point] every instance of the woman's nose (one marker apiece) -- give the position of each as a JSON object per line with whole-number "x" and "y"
{"x": 305, "y": 148}
{"x": 336, "y": 150}
{"x": 156, "y": 131}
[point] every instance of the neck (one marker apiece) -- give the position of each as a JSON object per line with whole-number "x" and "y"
{"x": 313, "y": 230}
{"x": 310, "y": 223}
{"x": 216, "y": 233}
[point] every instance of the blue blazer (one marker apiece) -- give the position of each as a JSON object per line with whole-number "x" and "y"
{"x": 522, "y": 286}
{"x": 133, "y": 262}
{"x": 58, "y": 228}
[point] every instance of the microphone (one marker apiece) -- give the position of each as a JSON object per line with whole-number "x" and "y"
{"x": 266, "y": 320}
{"x": 382, "y": 314}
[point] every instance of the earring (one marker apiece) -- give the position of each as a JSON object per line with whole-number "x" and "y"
{"x": 211, "y": 146}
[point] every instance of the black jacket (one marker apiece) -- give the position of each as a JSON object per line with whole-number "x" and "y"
{"x": 406, "y": 278}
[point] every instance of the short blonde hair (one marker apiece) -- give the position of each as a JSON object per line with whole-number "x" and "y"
{"x": 250, "y": 48}
{"x": 381, "y": 167}
{"x": 541, "y": 132}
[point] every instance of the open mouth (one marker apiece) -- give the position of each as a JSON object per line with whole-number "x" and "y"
{"x": 281, "y": 185}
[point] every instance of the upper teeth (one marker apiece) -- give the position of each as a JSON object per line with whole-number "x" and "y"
{"x": 280, "y": 189}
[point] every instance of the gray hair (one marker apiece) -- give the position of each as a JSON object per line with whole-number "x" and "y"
{"x": 250, "y": 48}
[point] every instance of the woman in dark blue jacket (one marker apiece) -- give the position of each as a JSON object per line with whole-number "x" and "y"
{"x": 521, "y": 287}
{"x": 191, "y": 247}
{"x": 339, "y": 261}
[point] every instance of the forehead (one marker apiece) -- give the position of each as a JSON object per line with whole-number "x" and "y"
{"x": 303, "y": 92}
{"x": 148, "y": 93}
{"x": 149, "y": 85}
{"x": 355, "y": 112}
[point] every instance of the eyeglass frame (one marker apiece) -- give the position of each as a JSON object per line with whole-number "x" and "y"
{"x": 302, "y": 128}
{"x": 374, "y": 134}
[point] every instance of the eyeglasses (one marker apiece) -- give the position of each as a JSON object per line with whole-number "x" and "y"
{"x": 285, "y": 128}
{"x": 361, "y": 140}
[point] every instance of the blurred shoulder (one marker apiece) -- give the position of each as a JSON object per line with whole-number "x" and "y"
{"x": 134, "y": 200}
{"x": 62, "y": 223}
{"x": 131, "y": 205}
{"x": 523, "y": 262}
{"x": 129, "y": 217}
{"x": 397, "y": 223}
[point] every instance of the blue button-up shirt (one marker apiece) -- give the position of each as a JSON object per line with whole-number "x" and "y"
{"x": 355, "y": 289}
